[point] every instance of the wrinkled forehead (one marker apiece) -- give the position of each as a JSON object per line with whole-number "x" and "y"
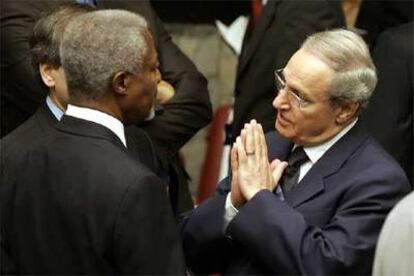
{"x": 308, "y": 72}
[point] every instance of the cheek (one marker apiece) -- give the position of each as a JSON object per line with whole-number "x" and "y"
{"x": 150, "y": 87}
{"x": 316, "y": 124}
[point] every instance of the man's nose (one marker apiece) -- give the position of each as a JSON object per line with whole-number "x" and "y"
{"x": 281, "y": 100}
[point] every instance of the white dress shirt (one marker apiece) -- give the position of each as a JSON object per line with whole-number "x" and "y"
{"x": 314, "y": 153}
{"x": 98, "y": 117}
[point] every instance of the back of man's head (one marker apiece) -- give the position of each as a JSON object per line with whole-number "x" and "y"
{"x": 48, "y": 32}
{"x": 348, "y": 55}
{"x": 99, "y": 44}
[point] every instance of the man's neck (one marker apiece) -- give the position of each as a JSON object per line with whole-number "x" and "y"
{"x": 56, "y": 101}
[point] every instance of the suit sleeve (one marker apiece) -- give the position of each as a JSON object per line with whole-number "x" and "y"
{"x": 190, "y": 108}
{"x": 285, "y": 243}
{"x": 207, "y": 249}
{"x": 146, "y": 239}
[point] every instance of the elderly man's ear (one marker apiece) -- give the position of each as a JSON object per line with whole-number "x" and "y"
{"x": 120, "y": 83}
{"x": 347, "y": 112}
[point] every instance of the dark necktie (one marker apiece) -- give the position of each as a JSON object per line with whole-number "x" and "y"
{"x": 291, "y": 175}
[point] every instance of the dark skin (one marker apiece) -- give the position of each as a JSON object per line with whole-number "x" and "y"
{"x": 130, "y": 96}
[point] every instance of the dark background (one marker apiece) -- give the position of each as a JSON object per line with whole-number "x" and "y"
{"x": 200, "y": 11}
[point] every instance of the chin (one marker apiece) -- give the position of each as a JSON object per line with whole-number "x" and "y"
{"x": 284, "y": 131}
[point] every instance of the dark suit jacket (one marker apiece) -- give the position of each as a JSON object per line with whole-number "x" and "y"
{"x": 327, "y": 225}
{"x": 14, "y": 148}
{"x": 79, "y": 204}
{"x": 390, "y": 114}
{"x": 283, "y": 26}
{"x": 374, "y": 17}
{"x": 15, "y": 145}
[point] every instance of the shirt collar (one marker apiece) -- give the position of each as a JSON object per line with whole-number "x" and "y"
{"x": 56, "y": 111}
{"x": 98, "y": 117}
{"x": 316, "y": 152}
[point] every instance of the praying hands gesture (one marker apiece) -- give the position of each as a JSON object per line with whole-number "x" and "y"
{"x": 251, "y": 171}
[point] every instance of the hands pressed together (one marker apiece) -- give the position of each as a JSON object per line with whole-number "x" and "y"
{"x": 251, "y": 170}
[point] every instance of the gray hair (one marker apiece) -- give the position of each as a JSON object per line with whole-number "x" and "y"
{"x": 99, "y": 44}
{"x": 348, "y": 55}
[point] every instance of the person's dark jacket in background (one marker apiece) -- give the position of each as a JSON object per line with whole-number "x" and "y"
{"x": 390, "y": 114}
{"x": 374, "y": 17}
{"x": 20, "y": 92}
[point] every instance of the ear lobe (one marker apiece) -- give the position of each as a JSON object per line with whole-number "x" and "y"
{"x": 46, "y": 73}
{"x": 120, "y": 83}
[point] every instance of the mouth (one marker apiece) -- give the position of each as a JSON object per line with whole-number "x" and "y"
{"x": 281, "y": 119}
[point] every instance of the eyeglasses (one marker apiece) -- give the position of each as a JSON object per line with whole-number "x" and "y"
{"x": 293, "y": 97}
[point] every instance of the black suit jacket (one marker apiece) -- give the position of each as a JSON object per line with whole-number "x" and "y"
{"x": 390, "y": 114}
{"x": 283, "y": 26}
{"x": 327, "y": 225}
{"x": 38, "y": 127}
{"x": 79, "y": 204}
{"x": 374, "y": 17}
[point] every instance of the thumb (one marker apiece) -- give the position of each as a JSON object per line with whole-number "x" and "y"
{"x": 277, "y": 169}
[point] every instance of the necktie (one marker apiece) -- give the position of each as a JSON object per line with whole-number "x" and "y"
{"x": 256, "y": 11}
{"x": 291, "y": 175}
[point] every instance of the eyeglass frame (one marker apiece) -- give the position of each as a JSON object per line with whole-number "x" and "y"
{"x": 280, "y": 84}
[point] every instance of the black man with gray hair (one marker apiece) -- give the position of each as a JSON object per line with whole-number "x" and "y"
{"x": 83, "y": 205}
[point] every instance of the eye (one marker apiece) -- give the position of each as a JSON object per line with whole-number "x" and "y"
{"x": 300, "y": 96}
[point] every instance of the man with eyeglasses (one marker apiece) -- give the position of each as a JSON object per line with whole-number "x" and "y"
{"x": 318, "y": 206}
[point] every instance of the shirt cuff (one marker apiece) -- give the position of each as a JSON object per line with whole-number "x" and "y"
{"x": 229, "y": 212}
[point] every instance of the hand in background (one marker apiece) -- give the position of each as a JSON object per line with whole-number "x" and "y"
{"x": 165, "y": 92}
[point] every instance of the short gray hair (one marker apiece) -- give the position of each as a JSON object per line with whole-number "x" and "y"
{"x": 348, "y": 55}
{"x": 99, "y": 44}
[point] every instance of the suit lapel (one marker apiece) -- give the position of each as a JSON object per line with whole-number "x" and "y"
{"x": 250, "y": 44}
{"x": 313, "y": 182}
{"x": 86, "y": 128}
